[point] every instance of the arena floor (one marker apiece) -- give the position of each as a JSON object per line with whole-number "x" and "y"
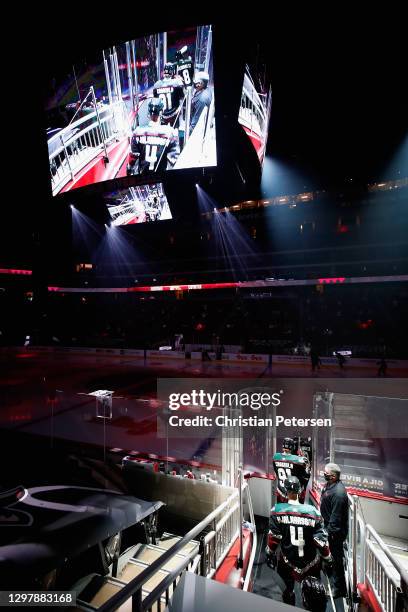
{"x": 47, "y": 395}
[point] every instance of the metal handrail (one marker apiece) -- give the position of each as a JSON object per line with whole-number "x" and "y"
{"x": 254, "y": 543}
{"x": 88, "y": 134}
{"x": 215, "y": 547}
{"x": 385, "y": 586}
{"x": 395, "y": 562}
{"x": 226, "y": 516}
{"x": 168, "y": 581}
{"x": 68, "y": 129}
{"x": 221, "y": 558}
{"x": 248, "y": 89}
{"x": 354, "y": 545}
{"x": 134, "y": 588}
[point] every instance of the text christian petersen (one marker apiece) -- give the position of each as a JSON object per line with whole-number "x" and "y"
{"x": 222, "y": 420}
{"x": 249, "y": 399}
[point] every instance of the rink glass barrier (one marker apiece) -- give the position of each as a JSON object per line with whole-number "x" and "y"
{"x": 367, "y": 437}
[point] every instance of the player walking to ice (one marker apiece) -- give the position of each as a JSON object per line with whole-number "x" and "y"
{"x": 153, "y": 147}
{"x": 170, "y": 89}
{"x": 185, "y": 66}
{"x": 286, "y": 464}
{"x": 382, "y": 370}
{"x": 298, "y": 530}
{"x": 341, "y": 360}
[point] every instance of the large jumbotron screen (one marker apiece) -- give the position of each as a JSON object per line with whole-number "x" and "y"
{"x": 255, "y": 109}
{"x": 139, "y": 204}
{"x": 137, "y": 108}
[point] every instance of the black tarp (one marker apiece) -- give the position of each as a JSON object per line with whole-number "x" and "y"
{"x": 43, "y": 526}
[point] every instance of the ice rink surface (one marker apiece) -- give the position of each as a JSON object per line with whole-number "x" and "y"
{"x": 47, "y": 394}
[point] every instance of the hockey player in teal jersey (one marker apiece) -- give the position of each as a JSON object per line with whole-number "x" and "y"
{"x": 297, "y": 529}
{"x": 170, "y": 89}
{"x": 185, "y": 66}
{"x": 286, "y": 464}
{"x": 153, "y": 147}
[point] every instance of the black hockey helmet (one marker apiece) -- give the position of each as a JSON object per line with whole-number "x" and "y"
{"x": 168, "y": 69}
{"x": 313, "y": 594}
{"x": 306, "y": 447}
{"x": 292, "y": 484}
{"x": 155, "y": 106}
{"x": 288, "y": 444}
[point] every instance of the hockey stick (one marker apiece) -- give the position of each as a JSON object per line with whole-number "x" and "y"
{"x": 331, "y": 594}
{"x": 168, "y": 139}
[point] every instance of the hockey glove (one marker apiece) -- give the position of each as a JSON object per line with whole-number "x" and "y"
{"x": 271, "y": 559}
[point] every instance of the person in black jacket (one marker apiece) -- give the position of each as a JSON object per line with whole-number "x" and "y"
{"x": 201, "y": 98}
{"x": 334, "y": 509}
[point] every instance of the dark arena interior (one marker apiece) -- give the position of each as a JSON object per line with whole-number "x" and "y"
{"x": 203, "y": 329}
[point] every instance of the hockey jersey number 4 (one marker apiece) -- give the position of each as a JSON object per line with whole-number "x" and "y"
{"x": 155, "y": 147}
{"x": 299, "y": 530}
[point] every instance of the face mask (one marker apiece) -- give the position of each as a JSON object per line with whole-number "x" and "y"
{"x": 327, "y": 477}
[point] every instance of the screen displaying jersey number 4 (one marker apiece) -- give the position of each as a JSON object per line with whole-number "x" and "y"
{"x": 151, "y": 155}
{"x": 158, "y": 117}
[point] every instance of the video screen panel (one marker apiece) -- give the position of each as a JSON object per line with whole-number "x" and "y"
{"x": 139, "y": 108}
{"x": 141, "y": 204}
{"x": 255, "y": 109}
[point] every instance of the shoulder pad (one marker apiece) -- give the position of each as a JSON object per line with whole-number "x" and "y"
{"x": 310, "y": 509}
{"x": 297, "y": 459}
{"x": 283, "y": 507}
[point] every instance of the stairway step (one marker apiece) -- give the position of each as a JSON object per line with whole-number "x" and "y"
{"x": 134, "y": 568}
{"x": 370, "y": 463}
{"x": 351, "y": 452}
{"x": 362, "y": 467}
{"x": 344, "y": 431}
{"x": 168, "y": 540}
{"x": 99, "y": 590}
{"x": 147, "y": 553}
{"x": 359, "y": 441}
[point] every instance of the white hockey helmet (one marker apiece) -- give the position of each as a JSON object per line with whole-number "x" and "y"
{"x": 204, "y": 77}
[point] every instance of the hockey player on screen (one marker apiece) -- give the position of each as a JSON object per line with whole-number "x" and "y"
{"x": 298, "y": 530}
{"x": 286, "y": 464}
{"x": 185, "y": 66}
{"x": 153, "y": 147}
{"x": 170, "y": 89}
{"x": 201, "y": 99}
